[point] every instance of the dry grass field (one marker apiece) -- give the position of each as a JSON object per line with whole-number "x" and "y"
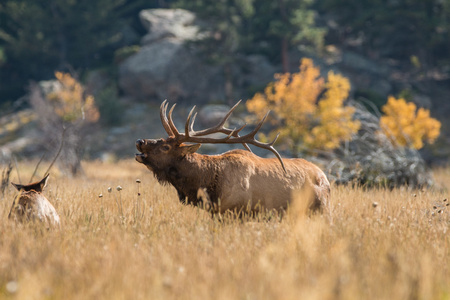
{"x": 141, "y": 243}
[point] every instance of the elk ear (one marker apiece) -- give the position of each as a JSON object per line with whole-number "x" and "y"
{"x": 43, "y": 182}
{"x": 189, "y": 149}
{"x": 17, "y": 186}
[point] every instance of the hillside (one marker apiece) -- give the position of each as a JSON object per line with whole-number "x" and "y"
{"x": 168, "y": 66}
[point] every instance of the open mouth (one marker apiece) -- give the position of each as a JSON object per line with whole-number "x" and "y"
{"x": 140, "y": 157}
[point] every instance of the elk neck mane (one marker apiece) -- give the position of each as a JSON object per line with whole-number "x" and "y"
{"x": 195, "y": 171}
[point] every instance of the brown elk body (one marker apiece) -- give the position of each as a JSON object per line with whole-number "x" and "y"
{"x": 235, "y": 180}
{"x": 31, "y": 205}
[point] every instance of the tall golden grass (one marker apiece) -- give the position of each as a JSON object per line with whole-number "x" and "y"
{"x": 141, "y": 243}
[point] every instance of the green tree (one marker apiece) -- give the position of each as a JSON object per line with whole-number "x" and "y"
{"x": 226, "y": 22}
{"x": 247, "y": 26}
{"x": 281, "y": 24}
{"x": 39, "y": 37}
{"x": 396, "y": 29}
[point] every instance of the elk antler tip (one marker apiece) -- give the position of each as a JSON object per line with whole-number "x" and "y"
{"x": 193, "y": 121}
{"x": 275, "y": 139}
{"x": 171, "y": 125}
{"x": 188, "y": 121}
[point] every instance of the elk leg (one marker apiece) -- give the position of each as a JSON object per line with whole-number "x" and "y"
{"x": 182, "y": 197}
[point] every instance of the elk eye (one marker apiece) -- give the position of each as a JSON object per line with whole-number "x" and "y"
{"x": 166, "y": 147}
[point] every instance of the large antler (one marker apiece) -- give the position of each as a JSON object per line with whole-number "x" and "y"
{"x": 192, "y": 136}
{"x": 163, "y": 116}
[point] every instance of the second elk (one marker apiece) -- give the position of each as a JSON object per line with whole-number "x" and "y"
{"x": 31, "y": 205}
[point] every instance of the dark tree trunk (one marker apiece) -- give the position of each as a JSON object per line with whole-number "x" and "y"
{"x": 284, "y": 39}
{"x": 228, "y": 84}
{"x": 285, "y": 54}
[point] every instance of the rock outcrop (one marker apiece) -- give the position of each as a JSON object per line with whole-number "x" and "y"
{"x": 372, "y": 159}
{"x": 169, "y": 67}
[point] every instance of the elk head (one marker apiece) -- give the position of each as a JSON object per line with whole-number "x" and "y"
{"x": 159, "y": 155}
{"x": 31, "y": 204}
{"x": 37, "y": 186}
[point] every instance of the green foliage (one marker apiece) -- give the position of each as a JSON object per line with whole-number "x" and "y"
{"x": 224, "y": 31}
{"x": 123, "y": 53}
{"x": 111, "y": 110}
{"x": 39, "y": 37}
{"x": 57, "y": 31}
{"x": 292, "y": 20}
{"x": 372, "y": 100}
{"x": 247, "y": 26}
{"x": 2, "y": 56}
{"x": 406, "y": 94}
{"x": 257, "y": 27}
{"x": 398, "y": 29}
{"x": 226, "y": 22}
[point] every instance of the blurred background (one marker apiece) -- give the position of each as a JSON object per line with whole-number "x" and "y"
{"x": 359, "y": 87}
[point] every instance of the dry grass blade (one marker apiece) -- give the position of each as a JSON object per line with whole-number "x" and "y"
{"x": 156, "y": 248}
{"x": 6, "y": 174}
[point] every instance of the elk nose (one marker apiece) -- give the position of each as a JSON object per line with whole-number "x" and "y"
{"x": 139, "y": 144}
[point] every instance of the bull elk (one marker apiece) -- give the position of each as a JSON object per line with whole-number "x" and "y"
{"x": 235, "y": 180}
{"x": 31, "y": 205}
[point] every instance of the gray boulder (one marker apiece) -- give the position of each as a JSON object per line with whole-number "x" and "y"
{"x": 165, "y": 67}
{"x": 168, "y": 23}
{"x": 168, "y": 70}
{"x": 373, "y": 160}
{"x": 169, "y": 65}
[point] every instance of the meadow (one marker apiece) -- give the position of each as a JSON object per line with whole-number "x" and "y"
{"x": 124, "y": 236}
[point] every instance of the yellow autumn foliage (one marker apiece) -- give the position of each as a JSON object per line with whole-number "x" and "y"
{"x": 408, "y": 126}
{"x": 303, "y": 118}
{"x": 70, "y": 102}
{"x": 336, "y": 120}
